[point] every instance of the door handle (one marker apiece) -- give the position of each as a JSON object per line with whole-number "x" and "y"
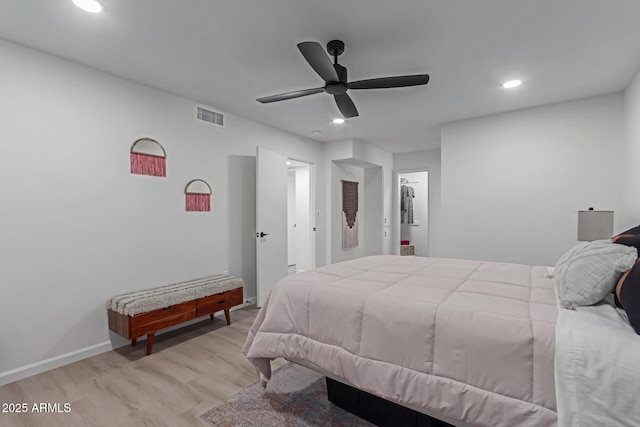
{"x": 262, "y": 234}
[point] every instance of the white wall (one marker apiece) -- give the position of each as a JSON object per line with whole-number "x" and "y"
{"x": 78, "y": 228}
{"x": 372, "y": 155}
{"x": 421, "y": 160}
{"x": 631, "y": 157}
{"x": 418, "y": 232}
{"x": 374, "y": 211}
{"x": 387, "y": 208}
{"x": 512, "y": 183}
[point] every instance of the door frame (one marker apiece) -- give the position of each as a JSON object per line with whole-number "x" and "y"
{"x": 312, "y": 208}
{"x": 396, "y": 208}
{"x": 292, "y": 232}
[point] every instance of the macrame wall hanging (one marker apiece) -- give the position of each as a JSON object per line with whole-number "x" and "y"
{"x": 349, "y": 214}
{"x": 197, "y": 196}
{"x": 148, "y": 158}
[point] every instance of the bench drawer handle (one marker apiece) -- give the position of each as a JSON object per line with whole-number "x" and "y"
{"x": 220, "y": 302}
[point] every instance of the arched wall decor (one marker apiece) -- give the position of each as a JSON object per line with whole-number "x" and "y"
{"x": 148, "y": 158}
{"x": 197, "y": 196}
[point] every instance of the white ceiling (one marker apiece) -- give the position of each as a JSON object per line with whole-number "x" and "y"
{"x": 227, "y": 53}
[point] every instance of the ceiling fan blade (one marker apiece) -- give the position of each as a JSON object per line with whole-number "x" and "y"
{"x": 390, "y": 82}
{"x": 346, "y": 106}
{"x": 319, "y": 61}
{"x": 290, "y": 95}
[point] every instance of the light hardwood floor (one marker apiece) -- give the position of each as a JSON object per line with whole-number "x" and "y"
{"x": 191, "y": 370}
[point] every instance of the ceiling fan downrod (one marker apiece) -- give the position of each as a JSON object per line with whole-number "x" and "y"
{"x": 335, "y": 49}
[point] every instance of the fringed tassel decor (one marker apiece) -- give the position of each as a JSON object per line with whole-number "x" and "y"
{"x": 145, "y": 164}
{"x": 349, "y": 214}
{"x": 349, "y": 233}
{"x": 148, "y": 158}
{"x": 196, "y": 202}
{"x": 197, "y": 196}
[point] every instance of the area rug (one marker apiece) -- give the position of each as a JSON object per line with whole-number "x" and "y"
{"x": 295, "y": 396}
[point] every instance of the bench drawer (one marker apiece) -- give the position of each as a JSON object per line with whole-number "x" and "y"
{"x": 162, "y": 314}
{"x": 217, "y": 302}
{"x": 161, "y": 323}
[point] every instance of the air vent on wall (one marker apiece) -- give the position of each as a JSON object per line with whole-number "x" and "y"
{"x": 210, "y": 116}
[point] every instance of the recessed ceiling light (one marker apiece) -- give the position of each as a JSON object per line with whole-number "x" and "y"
{"x": 88, "y": 5}
{"x": 288, "y": 162}
{"x": 338, "y": 121}
{"x": 511, "y": 83}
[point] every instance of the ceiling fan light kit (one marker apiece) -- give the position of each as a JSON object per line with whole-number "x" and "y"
{"x": 336, "y": 81}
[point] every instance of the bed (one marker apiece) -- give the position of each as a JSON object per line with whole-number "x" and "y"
{"x": 466, "y": 342}
{"x": 469, "y": 343}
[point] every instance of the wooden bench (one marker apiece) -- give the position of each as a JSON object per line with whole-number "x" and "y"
{"x": 145, "y": 312}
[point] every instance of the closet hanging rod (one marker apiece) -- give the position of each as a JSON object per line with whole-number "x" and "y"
{"x": 406, "y": 181}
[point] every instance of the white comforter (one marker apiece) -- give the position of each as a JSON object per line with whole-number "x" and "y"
{"x": 597, "y": 368}
{"x": 468, "y": 342}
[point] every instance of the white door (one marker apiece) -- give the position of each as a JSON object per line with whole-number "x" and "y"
{"x": 291, "y": 220}
{"x": 271, "y": 221}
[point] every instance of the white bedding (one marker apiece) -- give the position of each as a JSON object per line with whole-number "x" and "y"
{"x": 597, "y": 368}
{"x": 468, "y": 342}
{"x": 482, "y": 352}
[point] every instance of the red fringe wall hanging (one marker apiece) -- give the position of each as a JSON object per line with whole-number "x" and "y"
{"x": 349, "y": 214}
{"x": 148, "y": 158}
{"x": 197, "y": 196}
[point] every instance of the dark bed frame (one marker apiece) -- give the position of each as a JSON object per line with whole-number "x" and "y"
{"x": 377, "y": 410}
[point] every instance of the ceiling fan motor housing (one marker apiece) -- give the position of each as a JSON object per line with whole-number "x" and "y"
{"x": 336, "y": 88}
{"x": 339, "y": 87}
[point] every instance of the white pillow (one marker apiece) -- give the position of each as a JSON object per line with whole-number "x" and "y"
{"x": 588, "y": 272}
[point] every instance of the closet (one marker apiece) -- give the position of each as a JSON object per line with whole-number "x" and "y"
{"x": 413, "y": 216}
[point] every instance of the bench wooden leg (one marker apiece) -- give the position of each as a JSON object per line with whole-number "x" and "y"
{"x": 228, "y": 316}
{"x": 133, "y": 342}
{"x": 211, "y": 316}
{"x": 150, "y": 342}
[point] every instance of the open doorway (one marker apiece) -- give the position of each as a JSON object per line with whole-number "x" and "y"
{"x": 300, "y": 236}
{"x": 413, "y": 215}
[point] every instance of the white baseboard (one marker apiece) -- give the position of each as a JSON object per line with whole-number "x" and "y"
{"x": 52, "y": 363}
{"x": 36, "y": 368}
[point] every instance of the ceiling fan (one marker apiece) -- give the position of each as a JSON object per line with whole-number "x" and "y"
{"x": 335, "y": 78}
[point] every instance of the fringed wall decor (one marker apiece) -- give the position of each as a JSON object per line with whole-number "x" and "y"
{"x": 349, "y": 214}
{"x": 197, "y": 196}
{"x": 148, "y": 158}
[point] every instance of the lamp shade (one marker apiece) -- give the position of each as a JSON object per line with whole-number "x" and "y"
{"x": 595, "y": 225}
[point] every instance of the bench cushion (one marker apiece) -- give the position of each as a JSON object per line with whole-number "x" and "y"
{"x": 138, "y": 302}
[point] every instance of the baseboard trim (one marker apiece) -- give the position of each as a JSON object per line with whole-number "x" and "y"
{"x": 36, "y": 368}
{"x": 52, "y": 363}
